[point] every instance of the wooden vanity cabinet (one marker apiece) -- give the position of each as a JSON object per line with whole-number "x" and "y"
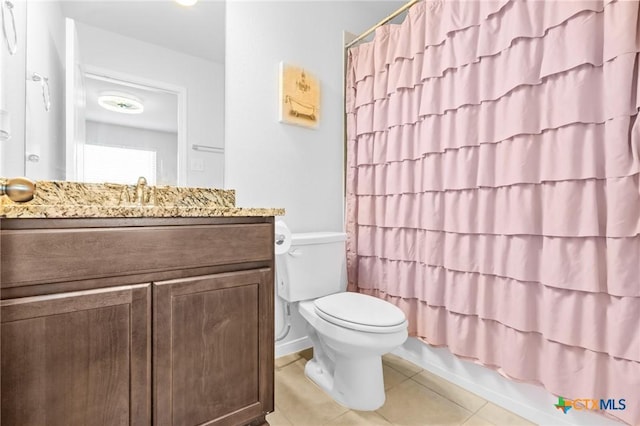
{"x": 136, "y": 321}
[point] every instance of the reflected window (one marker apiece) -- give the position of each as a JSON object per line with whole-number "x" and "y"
{"x": 118, "y": 164}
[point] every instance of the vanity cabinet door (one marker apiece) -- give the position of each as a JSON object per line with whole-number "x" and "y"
{"x": 77, "y": 358}
{"x": 213, "y": 349}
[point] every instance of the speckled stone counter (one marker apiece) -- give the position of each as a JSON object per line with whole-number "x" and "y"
{"x": 56, "y": 199}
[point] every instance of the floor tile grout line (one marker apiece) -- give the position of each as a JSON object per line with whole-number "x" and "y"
{"x": 396, "y": 369}
{"x": 481, "y": 407}
{"x": 380, "y": 414}
{"x": 283, "y": 414}
{"x": 401, "y": 372}
{"x": 397, "y": 384}
{"x": 468, "y": 418}
{"x": 336, "y": 417}
{"x": 450, "y": 400}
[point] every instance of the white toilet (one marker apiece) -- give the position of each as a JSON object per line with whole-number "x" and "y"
{"x": 350, "y": 331}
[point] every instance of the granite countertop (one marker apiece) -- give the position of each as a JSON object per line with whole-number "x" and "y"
{"x": 57, "y": 199}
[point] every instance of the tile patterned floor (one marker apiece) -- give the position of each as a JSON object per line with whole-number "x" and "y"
{"x": 415, "y": 397}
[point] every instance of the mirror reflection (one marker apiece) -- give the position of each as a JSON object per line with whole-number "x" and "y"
{"x": 130, "y": 131}
{"x": 116, "y": 90}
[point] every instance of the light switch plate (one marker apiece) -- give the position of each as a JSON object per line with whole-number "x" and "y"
{"x": 197, "y": 165}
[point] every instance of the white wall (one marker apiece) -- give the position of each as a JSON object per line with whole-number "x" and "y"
{"x": 204, "y": 81}
{"x": 277, "y": 165}
{"x": 45, "y": 130}
{"x": 271, "y": 164}
{"x": 12, "y": 91}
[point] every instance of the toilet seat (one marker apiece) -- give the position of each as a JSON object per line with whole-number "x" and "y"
{"x": 360, "y": 312}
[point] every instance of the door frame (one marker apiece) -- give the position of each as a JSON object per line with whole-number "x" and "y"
{"x": 131, "y": 80}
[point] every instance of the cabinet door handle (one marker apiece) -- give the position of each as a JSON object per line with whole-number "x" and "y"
{"x": 44, "y": 84}
{"x": 8, "y": 17}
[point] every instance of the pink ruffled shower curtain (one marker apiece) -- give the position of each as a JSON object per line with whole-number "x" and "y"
{"x": 493, "y": 186}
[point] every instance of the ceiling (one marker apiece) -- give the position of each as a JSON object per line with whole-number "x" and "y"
{"x": 198, "y": 30}
{"x": 160, "y": 108}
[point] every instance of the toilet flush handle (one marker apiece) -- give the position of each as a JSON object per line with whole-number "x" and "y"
{"x": 295, "y": 253}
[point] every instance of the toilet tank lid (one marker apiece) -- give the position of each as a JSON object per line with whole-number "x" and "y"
{"x": 317, "y": 237}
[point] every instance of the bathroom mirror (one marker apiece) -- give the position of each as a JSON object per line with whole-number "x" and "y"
{"x": 119, "y": 89}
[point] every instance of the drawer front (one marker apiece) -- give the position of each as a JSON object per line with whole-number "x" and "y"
{"x": 56, "y": 255}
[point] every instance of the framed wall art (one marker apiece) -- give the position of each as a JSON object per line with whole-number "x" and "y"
{"x": 299, "y": 97}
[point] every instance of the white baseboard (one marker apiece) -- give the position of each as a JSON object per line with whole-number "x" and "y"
{"x": 532, "y": 402}
{"x": 292, "y": 346}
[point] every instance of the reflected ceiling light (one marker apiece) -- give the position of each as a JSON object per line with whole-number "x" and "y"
{"x": 186, "y": 2}
{"x": 120, "y": 102}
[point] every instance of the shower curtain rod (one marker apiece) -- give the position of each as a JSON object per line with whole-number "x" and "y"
{"x": 379, "y": 24}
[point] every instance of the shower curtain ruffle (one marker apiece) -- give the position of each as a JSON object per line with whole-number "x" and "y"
{"x": 491, "y": 297}
{"x": 560, "y": 101}
{"x": 609, "y": 26}
{"x": 526, "y": 356}
{"x": 387, "y": 163}
{"x": 476, "y": 83}
{"x": 493, "y": 186}
{"x": 441, "y": 134}
{"x": 595, "y": 264}
{"x": 597, "y": 207}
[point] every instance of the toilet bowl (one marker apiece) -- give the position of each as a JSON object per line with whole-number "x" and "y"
{"x": 349, "y": 331}
{"x": 347, "y": 361}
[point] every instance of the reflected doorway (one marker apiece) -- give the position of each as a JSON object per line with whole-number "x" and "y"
{"x": 132, "y": 128}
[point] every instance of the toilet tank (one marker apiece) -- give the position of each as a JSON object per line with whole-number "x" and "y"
{"x": 314, "y": 266}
